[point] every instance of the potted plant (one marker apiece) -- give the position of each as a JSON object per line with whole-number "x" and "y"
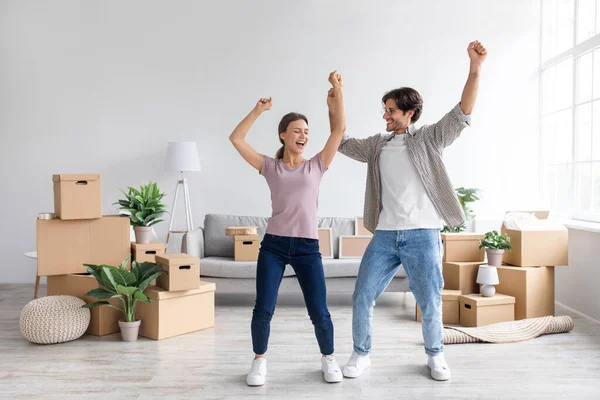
{"x": 465, "y": 196}
{"x": 145, "y": 209}
{"x": 127, "y": 286}
{"x": 495, "y": 244}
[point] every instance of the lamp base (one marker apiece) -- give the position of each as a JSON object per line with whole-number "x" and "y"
{"x": 487, "y": 290}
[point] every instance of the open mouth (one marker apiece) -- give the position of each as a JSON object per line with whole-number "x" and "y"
{"x": 300, "y": 144}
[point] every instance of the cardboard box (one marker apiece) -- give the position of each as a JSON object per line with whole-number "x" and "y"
{"x": 353, "y": 246}
{"x": 246, "y": 247}
{"x": 325, "y": 242}
{"x": 105, "y": 320}
{"x": 64, "y": 246}
{"x": 462, "y": 247}
{"x": 539, "y": 242}
{"x": 532, "y": 288}
{"x": 359, "y": 227}
{"x": 77, "y": 196}
{"x": 147, "y": 252}
{"x": 176, "y": 313}
{"x": 183, "y": 272}
{"x": 450, "y": 313}
{"x": 476, "y": 310}
{"x": 461, "y": 276}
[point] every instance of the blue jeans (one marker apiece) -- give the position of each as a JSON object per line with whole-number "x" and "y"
{"x": 420, "y": 252}
{"x": 304, "y": 256}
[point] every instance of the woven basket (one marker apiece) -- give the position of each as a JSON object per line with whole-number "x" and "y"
{"x": 241, "y": 230}
{"x": 54, "y": 319}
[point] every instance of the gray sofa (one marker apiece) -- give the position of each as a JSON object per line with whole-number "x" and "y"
{"x": 215, "y": 250}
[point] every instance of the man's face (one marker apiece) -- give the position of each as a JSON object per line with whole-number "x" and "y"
{"x": 396, "y": 120}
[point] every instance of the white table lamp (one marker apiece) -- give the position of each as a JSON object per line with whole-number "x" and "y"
{"x": 487, "y": 276}
{"x": 182, "y": 157}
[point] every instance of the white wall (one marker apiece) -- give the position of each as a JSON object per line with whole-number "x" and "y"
{"x": 103, "y": 86}
{"x": 577, "y": 285}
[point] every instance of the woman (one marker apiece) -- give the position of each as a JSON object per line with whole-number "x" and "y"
{"x": 291, "y": 236}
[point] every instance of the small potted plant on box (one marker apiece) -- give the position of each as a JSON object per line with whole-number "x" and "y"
{"x": 495, "y": 245}
{"x": 127, "y": 286}
{"x": 145, "y": 208}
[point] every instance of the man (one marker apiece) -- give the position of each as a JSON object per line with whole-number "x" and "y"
{"x": 408, "y": 193}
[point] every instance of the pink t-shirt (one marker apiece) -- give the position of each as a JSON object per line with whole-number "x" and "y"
{"x": 294, "y": 196}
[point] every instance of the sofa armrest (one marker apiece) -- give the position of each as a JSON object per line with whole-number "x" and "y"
{"x": 193, "y": 243}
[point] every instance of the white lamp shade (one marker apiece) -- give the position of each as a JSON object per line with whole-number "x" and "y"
{"x": 487, "y": 275}
{"x": 182, "y": 156}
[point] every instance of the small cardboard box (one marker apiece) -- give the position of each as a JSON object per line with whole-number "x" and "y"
{"x": 77, "y": 196}
{"x": 105, "y": 320}
{"x": 359, "y": 227}
{"x": 353, "y": 246}
{"x": 176, "y": 313}
{"x": 147, "y": 252}
{"x": 246, "y": 247}
{"x": 462, "y": 247}
{"x": 325, "y": 242}
{"x": 461, "y": 276}
{"x": 64, "y": 246}
{"x": 540, "y": 242}
{"x": 476, "y": 310}
{"x": 183, "y": 272}
{"x": 450, "y": 313}
{"x": 532, "y": 288}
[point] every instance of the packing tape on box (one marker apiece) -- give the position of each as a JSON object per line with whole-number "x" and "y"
{"x": 241, "y": 230}
{"x": 46, "y": 216}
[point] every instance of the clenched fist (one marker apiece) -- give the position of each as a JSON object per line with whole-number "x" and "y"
{"x": 264, "y": 104}
{"x": 477, "y": 53}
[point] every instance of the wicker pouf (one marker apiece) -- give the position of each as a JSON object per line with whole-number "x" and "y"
{"x": 54, "y": 319}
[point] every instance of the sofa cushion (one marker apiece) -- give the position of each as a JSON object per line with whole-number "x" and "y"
{"x": 218, "y": 244}
{"x": 222, "y": 267}
{"x": 348, "y": 267}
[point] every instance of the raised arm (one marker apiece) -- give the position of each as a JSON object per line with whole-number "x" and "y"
{"x": 337, "y": 118}
{"x": 238, "y": 136}
{"x": 477, "y": 55}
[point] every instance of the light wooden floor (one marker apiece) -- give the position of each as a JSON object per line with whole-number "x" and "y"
{"x": 212, "y": 364}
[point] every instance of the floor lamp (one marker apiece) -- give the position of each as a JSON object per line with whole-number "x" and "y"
{"x": 182, "y": 157}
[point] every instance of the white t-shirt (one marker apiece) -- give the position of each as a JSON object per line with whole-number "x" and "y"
{"x": 406, "y": 204}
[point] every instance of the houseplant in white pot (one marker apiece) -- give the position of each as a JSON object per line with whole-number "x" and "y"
{"x": 145, "y": 208}
{"x": 495, "y": 245}
{"x": 127, "y": 286}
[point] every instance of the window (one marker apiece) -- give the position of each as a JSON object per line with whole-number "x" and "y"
{"x": 570, "y": 107}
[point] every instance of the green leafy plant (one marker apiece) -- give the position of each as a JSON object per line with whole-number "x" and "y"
{"x": 144, "y": 206}
{"x": 120, "y": 283}
{"x": 494, "y": 241}
{"x": 465, "y": 196}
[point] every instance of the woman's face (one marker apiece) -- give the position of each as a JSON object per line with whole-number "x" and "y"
{"x": 296, "y": 136}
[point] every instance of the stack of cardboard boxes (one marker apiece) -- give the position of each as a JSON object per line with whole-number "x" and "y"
{"x": 181, "y": 303}
{"x": 79, "y": 235}
{"x": 526, "y": 288}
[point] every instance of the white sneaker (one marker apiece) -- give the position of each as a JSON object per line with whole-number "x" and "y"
{"x": 258, "y": 372}
{"x": 357, "y": 365}
{"x": 331, "y": 370}
{"x": 440, "y": 371}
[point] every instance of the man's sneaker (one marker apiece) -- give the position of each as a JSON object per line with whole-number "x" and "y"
{"x": 258, "y": 372}
{"x": 331, "y": 370}
{"x": 357, "y": 365}
{"x": 439, "y": 367}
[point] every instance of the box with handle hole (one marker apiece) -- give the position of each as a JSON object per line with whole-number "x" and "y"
{"x": 183, "y": 272}
{"x": 246, "y": 247}
{"x": 77, "y": 196}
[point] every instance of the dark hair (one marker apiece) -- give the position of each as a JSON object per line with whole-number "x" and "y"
{"x": 406, "y": 99}
{"x": 283, "y": 125}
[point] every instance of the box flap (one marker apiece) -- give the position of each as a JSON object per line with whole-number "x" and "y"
{"x": 481, "y": 301}
{"x": 451, "y": 295}
{"x": 538, "y": 214}
{"x": 462, "y": 236}
{"x": 75, "y": 177}
{"x": 147, "y": 246}
{"x": 246, "y": 237}
{"x": 158, "y": 293}
{"x": 464, "y": 263}
{"x": 175, "y": 259}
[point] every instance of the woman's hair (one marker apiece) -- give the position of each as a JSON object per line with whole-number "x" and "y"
{"x": 283, "y": 125}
